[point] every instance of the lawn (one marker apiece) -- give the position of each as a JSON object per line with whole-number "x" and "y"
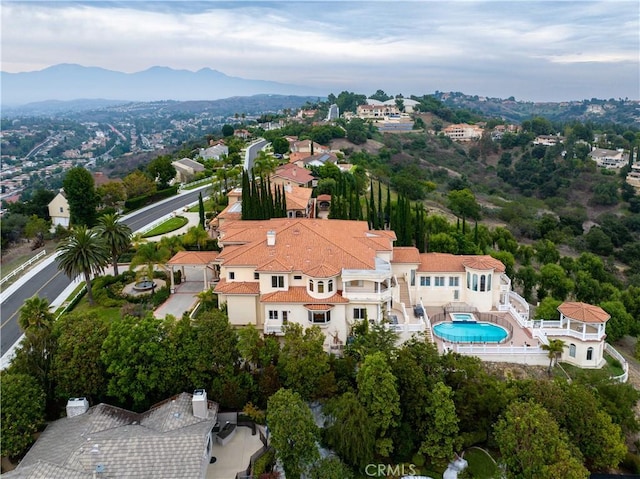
{"x": 611, "y": 368}
{"x": 168, "y": 226}
{"x": 481, "y": 464}
{"x": 111, "y": 314}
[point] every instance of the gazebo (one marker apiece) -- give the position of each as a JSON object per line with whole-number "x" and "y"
{"x": 582, "y": 328}
{"x": 192, "y": 264}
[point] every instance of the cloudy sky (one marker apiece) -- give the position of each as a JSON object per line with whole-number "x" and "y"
{"x": 533, "y": 50}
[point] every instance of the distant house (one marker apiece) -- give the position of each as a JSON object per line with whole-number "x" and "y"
{"x": 609, "y": 158}
{"x": 172, "y": 439}
{"x": 244, "y": 134}
{"x": 292, "y": 174}
{"x": 633, "y": 178}
{"x": 305, "y": 146}
{"x": 59, "y": 211}
{"x": 548, "y": 140}
{"x": 187, "y": 169}
{"x": 317, "y": 160}
{"x": 214, "y": 152}
{"x": 463, "y": 132}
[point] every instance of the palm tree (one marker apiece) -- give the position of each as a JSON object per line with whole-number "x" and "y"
{"x": 36, "y": 319}
{"x": 117, "y": 235}
{"x": 554, "y": 350}
{"x": 150, "y": 254}
{"x": 83, "y": 252}
{"x": 196, "y": 235}
{"x": 172, "y": 243}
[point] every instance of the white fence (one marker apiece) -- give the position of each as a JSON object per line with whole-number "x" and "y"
{"x": 187, "y": 186}
{"x": 625, "y": 366}
{"x": 23, "y": 266}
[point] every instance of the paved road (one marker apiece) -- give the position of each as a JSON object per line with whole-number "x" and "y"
{"x": 252, "y": 152}
{"x": 50, "y": 283}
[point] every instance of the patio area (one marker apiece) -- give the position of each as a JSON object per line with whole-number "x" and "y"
{"x": 233, "y": 457}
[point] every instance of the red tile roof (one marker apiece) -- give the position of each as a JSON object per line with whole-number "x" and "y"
{"x": 295, "y": 173}
{"x": 193, "y": 257}
{"x": 587, "y": 313}
{"x": 237, "y": 287}
{"x": 298, "y": 294}
{"x": 406, "y": 254}
{"x": 303, "y": 244}
{"x": 445, "y": 262}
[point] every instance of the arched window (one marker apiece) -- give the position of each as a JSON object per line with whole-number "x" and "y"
{"x": 310, "y": 285}
{"x": 475, "y": 282}
{"x": 572, "y": 350}
{"x": 468, "y": 280}
{"x": 488, "y": 282}
{"x": 589, "y": 354}
{"x": 330, "y": 285}
{"x": 483, "y": 282}
{"x": 320, "y": 286}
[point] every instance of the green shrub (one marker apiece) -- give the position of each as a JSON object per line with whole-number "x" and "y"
{"x": 264, "y": 463}
{"x": 631, "y": 463}
{"x": 160, "y": 296}
{"x": 140, "y": 201}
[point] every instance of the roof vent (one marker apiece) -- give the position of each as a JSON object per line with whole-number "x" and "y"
{"x": 77, "y": 406}
{"x": 271, "y": 238}
{"x": 199, "y": 403}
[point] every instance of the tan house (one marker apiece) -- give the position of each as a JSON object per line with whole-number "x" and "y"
{"x": 187, "y": 169}
{"x": 463, "y": 132}
{"x": 292, "y": 174}
{"x": 609, "y": 159}
{"x": 59, "y": 211}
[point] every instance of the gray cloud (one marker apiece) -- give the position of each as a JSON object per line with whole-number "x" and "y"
{"x": 532, "y": 50}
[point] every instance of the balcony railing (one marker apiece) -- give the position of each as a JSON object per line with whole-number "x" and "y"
{"x": 367, "y": 294}
{"x": 273, "y": 327}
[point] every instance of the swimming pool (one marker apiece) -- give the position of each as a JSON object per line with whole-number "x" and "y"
{"x": 469, "y": 317}
{"x": 464, "y": 332}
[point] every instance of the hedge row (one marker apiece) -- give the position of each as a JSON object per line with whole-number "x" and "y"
{"x": 140, "y": 201}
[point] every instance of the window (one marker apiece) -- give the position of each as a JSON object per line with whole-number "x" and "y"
{"x": 330, "y": 286}
{"x": 488, "y": 282}
{"x": 454, "y": 281}
{"x": 256, "y": 275}
{"x": 359, "y": 313}
{"x": 320, "y": 286}
{"x": 310, "y": 285}
{"x": 475, "y": 282}
{"x": 468, "y": 280}
{"x": 285, "y": 317}
{"x": 232, "y": 275}
{"x": 483, "y": 282}
{"x": 572, "y": 350}
{"x": 273, "y": 314}
{"x": 589, "y": 354}
{"x": 277, "y": 281}
{"x": 298, "y": 277}
{"x": 456, "y": 295}
{"x": 413, "y": 277}
{"x": 356, "y": 284}
{"x": 425, "y": 280}
{"x": 439, "y": 281}
{"x": 61, "y": 209}
{"x": 319, "y": 317}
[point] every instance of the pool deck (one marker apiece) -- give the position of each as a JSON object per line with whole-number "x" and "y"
{"x": 520, "y": 336}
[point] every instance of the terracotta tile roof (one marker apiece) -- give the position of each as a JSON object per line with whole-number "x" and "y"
{"x": 294, "y": 173}
{"x": 194, "y": 257}
{"x": 324, "y": 198}
{"x": 297, "y": 197}
{"x": 587, "y": 313}
{"x": 406, "y": 254}
{"x": 237, "y": 287}
{"x": 298, "y": 294}
{"x": 318, "y": 307}
{"x": 297, "y": 156}
{"x": 445, "y": 262}
{"x": 274, "y": 265}
{"x": 303, "y": 244}
{"x": 324, "y": 271}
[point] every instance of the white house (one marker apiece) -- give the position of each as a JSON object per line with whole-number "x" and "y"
{"x": 59, "y": 211}
{"x": 609, "y": 158}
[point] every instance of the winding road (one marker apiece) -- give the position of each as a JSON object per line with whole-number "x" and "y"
{"x": 50, "y": 283}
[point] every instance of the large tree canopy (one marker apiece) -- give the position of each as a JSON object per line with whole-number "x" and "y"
{"x": 79, "y": 189}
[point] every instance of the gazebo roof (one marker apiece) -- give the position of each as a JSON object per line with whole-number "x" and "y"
{"x": 587, "y": 313}
{"x": 193, "y": 257}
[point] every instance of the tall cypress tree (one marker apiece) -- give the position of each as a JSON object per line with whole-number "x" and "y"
{"x": 380, "y": 219}
{"x": 201, "y": 210}
{"x": 387, "y": 207}
{"x": 372, "y": 208}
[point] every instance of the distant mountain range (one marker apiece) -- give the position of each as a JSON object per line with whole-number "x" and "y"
{"x": 73, "y": 82}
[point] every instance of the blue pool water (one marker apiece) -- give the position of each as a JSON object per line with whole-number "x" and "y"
{"x": 460, "y": 332}
{"x": 463, "y": 317}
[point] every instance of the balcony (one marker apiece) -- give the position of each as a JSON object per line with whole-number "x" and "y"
{"x": 273, "y": 327}
{"x": 367, "y": 294}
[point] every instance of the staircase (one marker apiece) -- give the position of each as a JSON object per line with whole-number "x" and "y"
{"x": 404, "y": 293}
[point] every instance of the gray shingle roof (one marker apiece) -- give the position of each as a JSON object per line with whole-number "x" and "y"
{"x": 167, "y": 441}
